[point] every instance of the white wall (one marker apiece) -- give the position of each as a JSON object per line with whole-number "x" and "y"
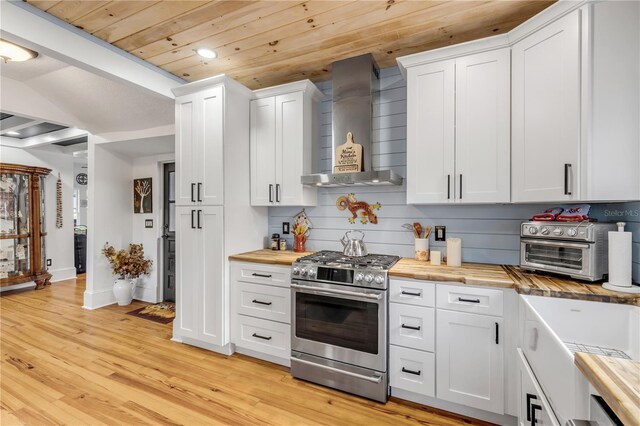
{"x": 149, "y": 287}
{"x": 59, "y": 241}
{"x": 80, "y": 166}
{"x": 109, "y": 220}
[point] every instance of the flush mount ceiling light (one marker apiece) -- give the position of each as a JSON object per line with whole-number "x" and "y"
{"x": 10, "y": 52}
{"x": 206, "y": 53}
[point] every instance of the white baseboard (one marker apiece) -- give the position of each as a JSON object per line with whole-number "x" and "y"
{"x": 475, "y": 413}
{"x": 146, "y": 294}
{"x": 98, "y": 299}
{"x": 62, "y": 274}
{"x": 21, "y": 286}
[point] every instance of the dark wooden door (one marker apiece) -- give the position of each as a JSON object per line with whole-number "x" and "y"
{"x": 169, "y": 234}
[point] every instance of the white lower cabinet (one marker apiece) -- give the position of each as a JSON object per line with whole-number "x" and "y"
{"x": 412, "y": 370}
{"x": 533, "y": 407}
{"x": 470, "y": 357}
{"x": 261, "y": 310}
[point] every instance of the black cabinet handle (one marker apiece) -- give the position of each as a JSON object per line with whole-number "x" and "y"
{"x": 410, "y": 327}
{"x": 193, "y": 198}
{"x": 261, "y": 337}
{"x": 448, "y": 187}
{"x": 271, "y": 193}
{"x": 497, "y": 334}
{"x": 199, "y": 187}
{"x": 408, "y": 293}
{"x": 567, "y": 175}
{"x": 461, "y": 186}
{"x": 417, "y": 373}
{"x": 193, "y": 226}
{"x": 462, "y": 299}
{"x": 199, "y": 215}
{"x": 529, "y": 398}
{"x": 534, "y": 407}
{"x": 261, "y": 275}
{"x": 259, "y": 302}
{"x": 277, "y": 192}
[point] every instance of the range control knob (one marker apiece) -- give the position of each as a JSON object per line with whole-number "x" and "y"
{"x": 303, "y": 272}
{"x": 368, "y": 278}
{"x": 379, "y": 279}
{"x": 296, "y": 270}
{"x": 544, "y": 230}
{"x": 533, "y": 230}
{"x": 359, "y": 277}
{"x": 572, "y": 232}
{"x": 558, "y": 231}
{"x": 312, "y": 273}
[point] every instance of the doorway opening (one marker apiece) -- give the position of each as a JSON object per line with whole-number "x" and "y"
{"x": 169, "y": 234}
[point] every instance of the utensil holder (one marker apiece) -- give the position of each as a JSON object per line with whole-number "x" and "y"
{"x": 422, "y": 249}
{"x": 299, "y": 242}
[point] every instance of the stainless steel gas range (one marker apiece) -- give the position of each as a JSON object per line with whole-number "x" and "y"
{"x": 339, "y": 322}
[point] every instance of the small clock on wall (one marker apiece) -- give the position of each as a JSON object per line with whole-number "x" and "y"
{"x": 82, "y": 178}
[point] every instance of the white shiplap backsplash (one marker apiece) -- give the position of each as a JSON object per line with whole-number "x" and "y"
{"x": 490, "y": 233}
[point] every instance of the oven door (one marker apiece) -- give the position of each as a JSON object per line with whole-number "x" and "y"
{"x": 564, "y": 257}
{"x": 340, "y": 323}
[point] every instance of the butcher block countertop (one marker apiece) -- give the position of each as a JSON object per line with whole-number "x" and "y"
{"x": 479, "y": 274}
{"x": 616, "y": 380}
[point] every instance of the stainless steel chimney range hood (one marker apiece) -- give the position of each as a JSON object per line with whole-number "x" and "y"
{"x": 354, "y": 81}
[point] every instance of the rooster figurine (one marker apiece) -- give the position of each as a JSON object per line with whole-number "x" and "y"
{"x": 366, "y": 211}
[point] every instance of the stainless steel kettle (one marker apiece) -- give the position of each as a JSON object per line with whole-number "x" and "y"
{"x": 353, "y": 247}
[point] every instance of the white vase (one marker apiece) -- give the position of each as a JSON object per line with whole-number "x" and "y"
{"x": 123, "y": 291}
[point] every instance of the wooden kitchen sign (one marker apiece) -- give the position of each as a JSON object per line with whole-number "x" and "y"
{"x": 348, "y": 156}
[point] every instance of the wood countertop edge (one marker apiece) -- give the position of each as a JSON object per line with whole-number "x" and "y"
{"x": 440, "y": 277}
{"x": 619, "y": 395}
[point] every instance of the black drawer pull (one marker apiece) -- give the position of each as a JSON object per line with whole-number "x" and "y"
{"x": 261, "y": 337}
{"x": 410, "y": 327}
{"x": 462, "y": 299}
{"x": 408, "y": 293}
{"x": 193, "y": 186}
{"x": 260, "y": 302}
{"x": 497, "y": 334}
{"x": 529, "y": 398}
{"x": 417, "y": 373}
{"x": 261, "y": 275}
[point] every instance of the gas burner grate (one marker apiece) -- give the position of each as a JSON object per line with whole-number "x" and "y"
{"x": 372, "y": 261}
{"x": 596, "y": 350}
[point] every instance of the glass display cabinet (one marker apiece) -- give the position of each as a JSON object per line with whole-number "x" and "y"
{"x": 22, "y": 225}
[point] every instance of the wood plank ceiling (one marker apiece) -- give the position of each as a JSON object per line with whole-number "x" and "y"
{"x": 264, "y": 43}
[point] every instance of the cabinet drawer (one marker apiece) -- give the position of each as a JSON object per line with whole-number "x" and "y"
{"x": 412, "y": 370}
{"x": 269, "y": 337}
{"x": 420, "y": 293}
{"x": 261, "y": 274}
{"x": 469, "y": 299}
{"x": 412, "y": 326}
{"x": 262, "y": 301}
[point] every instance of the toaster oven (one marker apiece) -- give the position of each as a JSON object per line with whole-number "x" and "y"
{"x": 577, "y": 249}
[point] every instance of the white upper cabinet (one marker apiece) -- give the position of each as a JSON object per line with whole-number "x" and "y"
{"x": 199, "y": 148}
{"x": 458, "y": 130}
{"x": 430, "y": 133}
{"x": 546, "y": 113}
{"x": 283, "y": 136}
{"x": 483, "y": 127}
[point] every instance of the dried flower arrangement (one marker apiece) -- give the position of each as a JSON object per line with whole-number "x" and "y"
{"x": 129, "y": 263}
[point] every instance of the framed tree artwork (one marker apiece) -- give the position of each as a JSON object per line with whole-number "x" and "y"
{"x": 142, "y": 196}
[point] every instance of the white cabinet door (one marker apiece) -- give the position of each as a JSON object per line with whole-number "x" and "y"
{"x": 186, "y": 146}
{"x": 210, "y": 261}
{"x": 430, "y": 133}
{"x": 546, "y": 113}
{"x": 483, "y": 139}
{"x": 289, "y": 148}
{"x": 188, "y": 266}
{"x": 534, "y": 408}
{"x": 209, "y": 158}
{"x": 470, "y": 360}
{"x": 263, "y": 151}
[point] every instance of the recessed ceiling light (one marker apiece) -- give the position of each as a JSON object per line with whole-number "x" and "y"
{"x": 14, "y": 53}
{"x": 206, "y": 53}
{"x": 12, "y": 133}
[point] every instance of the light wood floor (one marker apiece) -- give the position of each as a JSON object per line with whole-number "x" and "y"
{"x": 65, "y": 365}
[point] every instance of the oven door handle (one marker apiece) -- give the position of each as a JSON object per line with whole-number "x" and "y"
{"x": 316, "y": 290}
{"x": 556, "y": 244}
{"x": 373, "y": 379}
